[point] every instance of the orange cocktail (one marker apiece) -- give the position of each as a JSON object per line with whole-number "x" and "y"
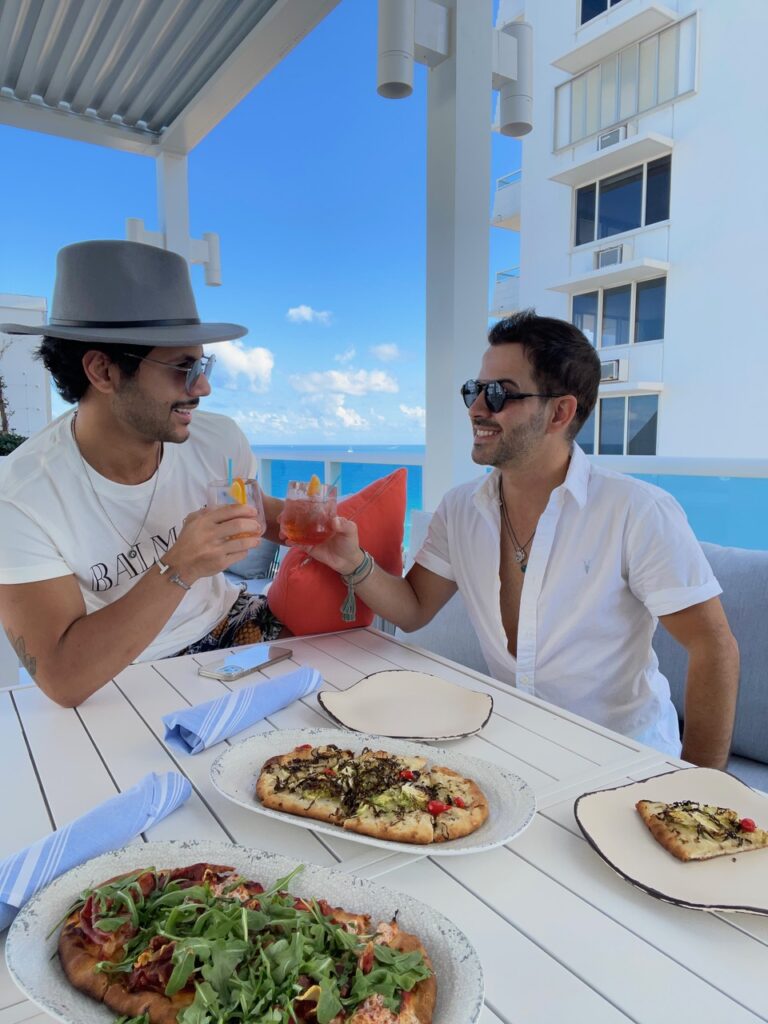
{"x": 308, "y": 512}
{"x": 239, "y": 492}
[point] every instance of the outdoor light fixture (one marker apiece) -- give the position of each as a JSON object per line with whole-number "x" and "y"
{"x": 516, "y": 94}
{"x": 397, "y": 30}
{"x": 422, "y": 31}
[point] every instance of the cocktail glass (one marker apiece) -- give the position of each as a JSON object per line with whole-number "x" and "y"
{"x": 239, "y": 492}
{"x": 308, "y": 512}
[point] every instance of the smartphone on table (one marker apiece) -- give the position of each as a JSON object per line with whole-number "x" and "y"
{"x": 244, "y": 661}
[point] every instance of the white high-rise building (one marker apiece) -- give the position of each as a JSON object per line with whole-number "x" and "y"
{"x": 642, "y": 208}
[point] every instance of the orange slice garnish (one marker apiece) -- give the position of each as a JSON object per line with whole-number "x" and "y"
{"x": 237, "y": 490}
{"x": 314, "y": 485}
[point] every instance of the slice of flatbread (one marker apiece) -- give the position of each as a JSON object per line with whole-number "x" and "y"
{"x": 693, "y": 831}
{"x": 305, "y": 782}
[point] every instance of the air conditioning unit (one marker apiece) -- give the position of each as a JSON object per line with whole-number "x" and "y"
{"x": 612, "y": 137}
{"x": 613, "y": 370}
{"x": 608, "y": 257}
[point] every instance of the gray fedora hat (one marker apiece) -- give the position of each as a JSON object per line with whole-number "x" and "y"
{"x": 125, "y": 292}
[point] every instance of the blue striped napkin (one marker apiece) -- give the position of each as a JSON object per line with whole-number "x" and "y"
{"x": 107, "y": 827}
{"x": 193, "y": 730}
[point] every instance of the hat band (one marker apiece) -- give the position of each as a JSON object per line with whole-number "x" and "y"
{"x": 184, "y": 322}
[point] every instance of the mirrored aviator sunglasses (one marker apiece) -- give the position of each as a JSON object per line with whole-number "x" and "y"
{"x": 201, "y": 367}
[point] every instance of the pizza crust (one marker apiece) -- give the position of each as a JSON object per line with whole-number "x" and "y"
{"x": 674, "y": 826}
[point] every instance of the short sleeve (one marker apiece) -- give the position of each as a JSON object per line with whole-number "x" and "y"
{"x": 32, "y": 556}
{"x": 435, "y": 553}
{"x": 666, "y": 567}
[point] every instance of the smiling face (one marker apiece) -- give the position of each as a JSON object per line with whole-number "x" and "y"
{"x": 155, "y": 403}
{"x": 512, "y": 436}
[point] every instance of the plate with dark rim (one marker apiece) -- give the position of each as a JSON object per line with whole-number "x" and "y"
{"x": 730, "y": 883}
{"x": 409, "y": 705}
{"x": 31, "y": 951}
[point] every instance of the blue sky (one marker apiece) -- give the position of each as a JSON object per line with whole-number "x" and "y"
{"x": 316, "y": 186}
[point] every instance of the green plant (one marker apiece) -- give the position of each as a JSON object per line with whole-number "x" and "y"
{"x": 9, "y": 441}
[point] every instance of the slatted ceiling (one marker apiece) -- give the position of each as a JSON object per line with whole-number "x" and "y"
{"x": 136, "y": 63}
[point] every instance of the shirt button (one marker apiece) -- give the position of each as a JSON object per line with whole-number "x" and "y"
{"x": 523, "y": 679}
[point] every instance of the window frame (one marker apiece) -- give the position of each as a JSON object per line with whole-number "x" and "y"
{"x": 564, "y": 91}
{"x": 601, "y": 240}
{"x": 626, "y": 396}
{"x": 599, "y": 347}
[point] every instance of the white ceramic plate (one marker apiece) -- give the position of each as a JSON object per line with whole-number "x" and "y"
{"x": 409, "y": 706}
{"x": 28, "y": 951}
{"x": 511, "y": 801}
{"x": 613, "y": 827}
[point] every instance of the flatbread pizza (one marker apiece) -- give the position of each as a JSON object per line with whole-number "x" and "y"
{"x": 201, "y": 943}
{"x": 374, "y": 793}
{"x": 694, "y": 831}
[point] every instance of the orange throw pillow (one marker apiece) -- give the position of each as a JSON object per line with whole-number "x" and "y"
{"x": 307, "y": 596}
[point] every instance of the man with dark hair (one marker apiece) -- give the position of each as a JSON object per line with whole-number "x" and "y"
{"x": 107, "y": 553}
{"x": 565, "y": 567}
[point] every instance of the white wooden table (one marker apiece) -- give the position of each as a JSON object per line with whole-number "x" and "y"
{"x": 561, "y": 938}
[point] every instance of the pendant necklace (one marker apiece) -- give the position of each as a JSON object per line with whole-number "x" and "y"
{"x": 132, "y": 549}
{"x": 521, "y": 552}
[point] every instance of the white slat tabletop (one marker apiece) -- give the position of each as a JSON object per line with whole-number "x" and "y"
{"x": 560, "y": 936}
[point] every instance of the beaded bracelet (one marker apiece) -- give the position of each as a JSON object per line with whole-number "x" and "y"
{"x": 352, "y": 580}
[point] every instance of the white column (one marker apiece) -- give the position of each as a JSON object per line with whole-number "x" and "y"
{"x": 458, "y": 204}
{"x": 173, "y": 202}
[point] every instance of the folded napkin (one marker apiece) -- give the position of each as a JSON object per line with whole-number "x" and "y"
{"x": 107, "y": 827}
{"x": 193, "y": 730}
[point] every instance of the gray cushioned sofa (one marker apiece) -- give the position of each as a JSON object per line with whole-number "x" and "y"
{"x": 743, "y": 575}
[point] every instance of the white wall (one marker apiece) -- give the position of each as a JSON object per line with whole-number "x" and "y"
{"x": 715, "y": 352}
{"x": 27, "y": 385}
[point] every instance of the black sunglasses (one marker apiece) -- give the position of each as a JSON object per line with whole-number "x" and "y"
{"x": 496, "y": 395}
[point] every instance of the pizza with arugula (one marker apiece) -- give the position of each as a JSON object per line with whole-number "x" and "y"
{"x": 203, "y": 945}
{"x": 375, "y": 793}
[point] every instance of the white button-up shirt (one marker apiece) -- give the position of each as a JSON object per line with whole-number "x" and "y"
{"x": 611, "y": 554}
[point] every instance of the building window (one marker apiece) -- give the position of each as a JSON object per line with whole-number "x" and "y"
{"x": 624, "y": 425}
{"x": 591, "y": 8}
{"x": 630, "y": 82}
{"x": 625, "y": 315}
{"x": 615, "y": 204}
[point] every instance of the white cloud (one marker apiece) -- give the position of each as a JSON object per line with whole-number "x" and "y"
{"x": 350, "y": 417}
{"x": 345, "y": 357}
{"x": 261, "y": 426}
{"x": 307, "y": 315}
{"x": 415, "y": 413}
{"x": 347, "y": 382}
{"x": 386, "y": 353}
{"x": 254, "y": 363}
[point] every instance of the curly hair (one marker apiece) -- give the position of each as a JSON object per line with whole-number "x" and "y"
{"x": 63, "y": 359}
{"x": 562, "y": 358}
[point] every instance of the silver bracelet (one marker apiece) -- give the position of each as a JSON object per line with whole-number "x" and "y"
{"x": 173, "y": 579}
{"x": 352, "y": 580}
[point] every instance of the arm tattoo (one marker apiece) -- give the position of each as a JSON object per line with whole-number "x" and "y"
{"x": 20, "y": 647}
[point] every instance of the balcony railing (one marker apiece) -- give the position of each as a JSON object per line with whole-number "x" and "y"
{"x": 509, "y": 179}
{"x": 725, "y": 500}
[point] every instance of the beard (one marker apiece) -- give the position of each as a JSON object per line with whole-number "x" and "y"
{"x": 152, "y": 419}
{"x": 513, "y": 447}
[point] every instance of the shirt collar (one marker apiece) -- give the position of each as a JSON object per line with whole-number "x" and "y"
{"x": 576, "y": 481}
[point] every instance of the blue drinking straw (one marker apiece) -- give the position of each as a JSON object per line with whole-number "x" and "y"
{"x": 229, "y": 472}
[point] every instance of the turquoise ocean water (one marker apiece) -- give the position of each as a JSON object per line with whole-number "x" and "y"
{"x": 724, "y": 510}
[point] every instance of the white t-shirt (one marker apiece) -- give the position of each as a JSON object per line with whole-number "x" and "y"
{"x": 51, "y": 524}
{"x": 610, "y": 555}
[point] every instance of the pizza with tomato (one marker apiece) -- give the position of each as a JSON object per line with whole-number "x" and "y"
{"x": 374, "y": 793}
{"x": 203, "y": 945}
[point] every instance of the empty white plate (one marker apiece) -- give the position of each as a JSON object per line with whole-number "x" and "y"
{"x": 408, "y": 705}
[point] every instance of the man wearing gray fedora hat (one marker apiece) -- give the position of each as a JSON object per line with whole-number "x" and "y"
{"x": 106, "y": 555}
